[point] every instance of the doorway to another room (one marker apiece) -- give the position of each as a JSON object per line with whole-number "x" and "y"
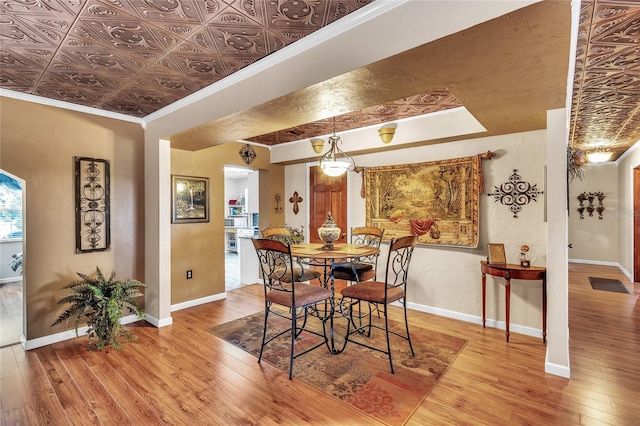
{"x": 241, "y": 221}
{"x": 11, "y": 256}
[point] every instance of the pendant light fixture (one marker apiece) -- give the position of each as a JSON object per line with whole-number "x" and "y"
{"x": 599, "y": 155}
{"x": 336, "y": 162}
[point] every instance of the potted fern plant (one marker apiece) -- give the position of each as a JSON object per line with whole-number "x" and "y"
{"x": 101, "y": 301}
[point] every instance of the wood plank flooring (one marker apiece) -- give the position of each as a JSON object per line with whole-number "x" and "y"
{"x": 182, "y": 374}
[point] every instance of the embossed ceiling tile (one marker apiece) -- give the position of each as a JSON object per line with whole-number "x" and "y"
{"x": 56, "y": 10}
{"x": 159, "y": 79}
{"x": 101, "y": 60}
{"x": 149, "y": 100}
{"x": 126, "y": 107}
{"x": 19, "y": 80}
{"x": 241, "y": 40}
{"x": 233, "y": 64}
{"x": 21, "y": 33}
{"x": 616, "y": 23}
{"x": 81, "y": 79}
{"x": 67, "y": 93}
{"x": 130, "y": 35}
{"x": 191, "y": 61}
{"x": 175, "y": 11}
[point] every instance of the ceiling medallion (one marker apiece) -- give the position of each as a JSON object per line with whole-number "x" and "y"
{"x": 248, "y": 154}
{"x": 515, "y": 193}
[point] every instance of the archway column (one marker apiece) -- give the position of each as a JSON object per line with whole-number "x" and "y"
{"x": 157, "y": 179}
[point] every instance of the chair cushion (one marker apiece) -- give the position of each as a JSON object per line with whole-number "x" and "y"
{"x": 306, "y": 294}
{"x": 372, "y": 291}
{"x": 298, "y": 274}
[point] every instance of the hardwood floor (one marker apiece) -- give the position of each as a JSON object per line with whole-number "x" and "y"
{"x": 182, "y": 374}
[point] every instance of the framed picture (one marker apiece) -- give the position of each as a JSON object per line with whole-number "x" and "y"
{"x": 190, "y": 199}
{"x": 496, "y": 254}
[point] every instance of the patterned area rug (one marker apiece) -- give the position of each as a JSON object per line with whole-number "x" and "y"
{"x": 358, "y": 376}
{"x": 608, "y": 284}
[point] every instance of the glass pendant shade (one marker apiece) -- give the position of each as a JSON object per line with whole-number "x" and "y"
{"x": 336, "y": 162}
{"x": 599, "y": 155}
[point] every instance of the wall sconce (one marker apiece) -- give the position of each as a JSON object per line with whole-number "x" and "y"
{"x": 387, "y": 131}
{"x": 317, "y": 144}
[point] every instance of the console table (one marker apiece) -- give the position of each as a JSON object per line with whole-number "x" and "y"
{"x": 509, "y": 271}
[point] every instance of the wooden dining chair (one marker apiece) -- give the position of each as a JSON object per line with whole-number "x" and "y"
{"x": 280, "y": 289}
{"x": 380, "y": 294}
{"x": 363, "y": 268}
{"x": 302, "y": 273}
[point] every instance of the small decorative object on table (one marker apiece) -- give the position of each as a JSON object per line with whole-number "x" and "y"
{"x": 524, "y": 259}
{"x": 329, "y": 232}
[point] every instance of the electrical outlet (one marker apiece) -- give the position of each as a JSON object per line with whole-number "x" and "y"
{"x": 189, "y": 274}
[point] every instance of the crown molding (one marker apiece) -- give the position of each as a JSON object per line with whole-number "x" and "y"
{"x": 67, "y": 105}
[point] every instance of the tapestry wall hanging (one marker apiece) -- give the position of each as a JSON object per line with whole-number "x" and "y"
{"x": 437, "y": 201}
{"x": 93, "y": 219}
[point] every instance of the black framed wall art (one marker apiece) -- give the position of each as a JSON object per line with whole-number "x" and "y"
{"x": 190, "y": 197}
{"x": 93, "y": 209}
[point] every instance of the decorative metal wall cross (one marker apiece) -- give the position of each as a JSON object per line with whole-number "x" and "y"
{"x": 515, "y": 193}
{"x": 295, "y": 199}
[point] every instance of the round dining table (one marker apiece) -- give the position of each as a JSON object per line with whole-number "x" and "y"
{"x": 315, "y": 254}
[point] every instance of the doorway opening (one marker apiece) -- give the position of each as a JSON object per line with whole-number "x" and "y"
{"x": 11, "y": 256}
{"x": 636, "y": 224}
{"x": 240, "y": 221}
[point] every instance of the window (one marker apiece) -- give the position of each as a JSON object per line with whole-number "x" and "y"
{"x": 10, "y": 208}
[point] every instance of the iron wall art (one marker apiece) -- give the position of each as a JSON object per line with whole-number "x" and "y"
{"x": 515, "y": 193}
{"x": 590, "y": 208}
{"x": 93, "y": 218}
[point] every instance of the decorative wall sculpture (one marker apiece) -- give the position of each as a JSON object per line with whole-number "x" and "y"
{"x": 436, "y": 201}
{"x": 515, "y": 193}
{"x": 590, "y": 208}
{"x": 93, "y": 219}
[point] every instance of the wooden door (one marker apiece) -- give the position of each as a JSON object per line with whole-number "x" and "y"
{"x": 327, "y": 194}
{"x": 636, "y": 224}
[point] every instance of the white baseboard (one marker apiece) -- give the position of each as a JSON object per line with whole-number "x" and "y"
{"x": 556, "y": 369}
{"x": 66, "y": 335}
{"x": 599, "y": 262}
{"x": 476, "y": 319}
{"x": 196, "y": 302}
{"x": 156, "y": 322}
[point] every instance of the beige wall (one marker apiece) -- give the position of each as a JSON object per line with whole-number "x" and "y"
{"x": 593, "y": 239}
{"x": 38, "y": 144}
{"x": 446, "y": 280}
{"x": 200, "y": 246}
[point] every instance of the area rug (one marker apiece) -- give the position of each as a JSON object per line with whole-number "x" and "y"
{"x": 358, "y": 376}
{"x": 608, "y": 284}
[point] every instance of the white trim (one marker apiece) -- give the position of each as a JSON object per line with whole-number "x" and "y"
{"x": 156, "y": 322}
{"x": 602, "y": 263}
{"x": 68, "y": 105}
{"x": 197, "y": 302}
{"x": 595, "y": 262}
{"x": 10, "y": 280}
{"x": 520, "y": 329}
{"x": 628, "y": 152}
{"x": 67, "y": 335}
{"x": 556, "y": 369}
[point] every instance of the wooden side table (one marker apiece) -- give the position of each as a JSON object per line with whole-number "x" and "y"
{"x": 509, "y": 271}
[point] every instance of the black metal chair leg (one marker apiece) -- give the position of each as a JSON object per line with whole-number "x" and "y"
{"x": 386, "y": 329}
{"x": 264, "y": 332}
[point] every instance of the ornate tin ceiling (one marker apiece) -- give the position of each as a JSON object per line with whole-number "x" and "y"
{"x": 137, "y": 56}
